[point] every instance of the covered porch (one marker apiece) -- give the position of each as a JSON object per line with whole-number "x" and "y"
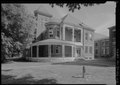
{"x": 55, "y": 49}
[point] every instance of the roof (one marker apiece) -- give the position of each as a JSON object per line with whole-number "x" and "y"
{"x": 55, "y": 42}
{"x": 86, "y": 27}
{"x": 98, "y": 36}
{"x": 54, "y": 20}
{"x": 42, "y": 11}
{"x": 72, "y": 20}
{"x": 112, "y": 27}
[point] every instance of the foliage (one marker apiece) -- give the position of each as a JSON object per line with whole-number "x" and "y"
{"x": 16, "y": 29}
{"x": 73, "y": 6}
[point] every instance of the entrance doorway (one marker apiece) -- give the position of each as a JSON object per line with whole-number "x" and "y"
{"x": 78, "y": 52}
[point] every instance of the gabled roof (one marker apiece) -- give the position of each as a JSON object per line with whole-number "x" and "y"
{"x": 86, "y": 27}
{"x": 42, "y": 11}
{"x": 54, "y": 20}
{"x": 72, "y": 20}
{"x": 98, "y": 36}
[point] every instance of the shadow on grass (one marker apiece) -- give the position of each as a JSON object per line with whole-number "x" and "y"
{"x": 7, "y": 70}
{"x": 28, "y": 79}
{"x": 98, "y": 63}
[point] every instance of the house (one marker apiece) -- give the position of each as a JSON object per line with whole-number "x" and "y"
{"x": 101, "y": 46}
{"x": 112, "y": 34}
{"x": 63, "y": 39}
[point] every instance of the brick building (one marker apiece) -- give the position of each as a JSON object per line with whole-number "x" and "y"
{"x": 102, "y": 47}
{"x": 112, "y": 34}
{"x": 63, "y": 39}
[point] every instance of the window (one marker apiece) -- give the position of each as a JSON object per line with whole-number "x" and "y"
{"x": 103, "y": 51}
{"x": 86, "y": 49}
{"x": 107, "y": 50}
{"x": 57, "y": 50}
{"x": 50, "y": 32}
{"x": 68, "y": 51}
{"x": 107, "y": 43}
{"x": 90, "y": 50}
{"x": 86, "y": 36}
{"x": 96, "y": 51}
{"x": 51, "y": 35}
{"x": 96, "y": 44}
{"x": 114, "y": 34}
{"x": 58, "y": 33}
{"x": 103, "y": 44}
{"x": 90, "y": 36}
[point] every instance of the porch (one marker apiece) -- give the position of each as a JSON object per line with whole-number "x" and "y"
{"x": 52, "y": 49}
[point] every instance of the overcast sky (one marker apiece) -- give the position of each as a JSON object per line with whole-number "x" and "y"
{"x": 98, "y": 17}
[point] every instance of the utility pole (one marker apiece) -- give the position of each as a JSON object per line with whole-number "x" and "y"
{"x": 84, "y": 71}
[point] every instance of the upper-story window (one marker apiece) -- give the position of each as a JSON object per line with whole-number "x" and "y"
{"x": 107, "y": 43}
{"x": 102, "y": 43}
{"x": 96, "y": 51}
{"x": 114, "y": 34}
{"x": 50, "y": 32}
{"x": 96, "y": 44}
{"x": 58, "y": 33}
{"x": 103, "y": 51}
{"x": 90, "y": 49}
{"x": 90, "y": 36}
{"x": 86, "y": 36}
{"x": 77, "y": 35}
{"x": 86, "y": 49}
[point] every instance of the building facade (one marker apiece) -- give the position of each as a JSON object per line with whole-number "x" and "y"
{"x": 102, "y": 48}
{"x": 112, "y": 34}
{"x": 61, "y": 40}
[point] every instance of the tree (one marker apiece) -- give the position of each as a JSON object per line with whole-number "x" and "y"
{"x": 73, "y": 6}
{"x": 17, "y": 29}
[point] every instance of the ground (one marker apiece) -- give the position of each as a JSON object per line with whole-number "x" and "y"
{"x": 60, "y": 73}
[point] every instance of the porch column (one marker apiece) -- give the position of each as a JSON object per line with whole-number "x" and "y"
{"x": 31, "y": 51}
{"x": 73, "y": 34}
{"x": 37, "y": 50}
{"x": 63, "y": 51}
{"x": 72, "y": 51}
{"x": 63, "y": 32}
{"x": 49, "y": 51}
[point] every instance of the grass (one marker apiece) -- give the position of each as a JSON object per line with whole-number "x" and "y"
{"x": 98, "y": 62}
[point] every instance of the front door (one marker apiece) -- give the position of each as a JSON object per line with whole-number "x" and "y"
{"x": 78, "y": 52}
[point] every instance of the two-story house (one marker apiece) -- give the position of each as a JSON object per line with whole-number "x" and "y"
{"x": 63, "y": 39}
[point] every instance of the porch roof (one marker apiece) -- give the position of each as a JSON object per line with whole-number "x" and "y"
{"x": 56, "y": 42}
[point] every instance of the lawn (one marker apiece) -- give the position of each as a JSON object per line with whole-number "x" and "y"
{"x": 62, "y": 73}
{"x": 96, "y": 62}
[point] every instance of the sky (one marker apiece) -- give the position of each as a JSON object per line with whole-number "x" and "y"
{"x": 98, "y": 17}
